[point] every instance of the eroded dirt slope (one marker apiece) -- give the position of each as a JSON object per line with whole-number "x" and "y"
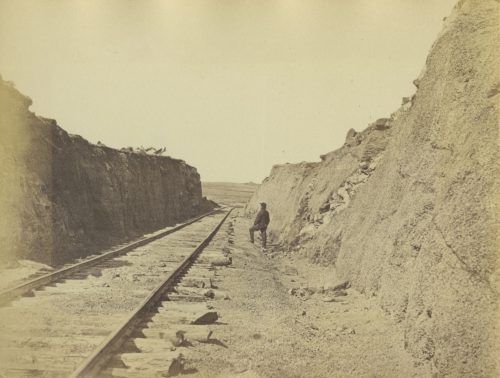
{"x": 280, "y": 322}
{"x": 407, "y": 210}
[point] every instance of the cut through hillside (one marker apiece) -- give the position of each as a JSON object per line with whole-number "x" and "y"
{"x": 407, "y": 210}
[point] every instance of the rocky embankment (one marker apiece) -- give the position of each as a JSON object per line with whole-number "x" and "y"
{"x": 407, "y": 210}
{"x": 62, "y": 197}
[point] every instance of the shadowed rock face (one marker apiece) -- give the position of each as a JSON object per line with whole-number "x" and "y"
{"x": 408, "y": 209}
{"x": 62, "y": 197}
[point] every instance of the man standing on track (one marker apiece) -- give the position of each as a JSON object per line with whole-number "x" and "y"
{"x": 261, "y": 222}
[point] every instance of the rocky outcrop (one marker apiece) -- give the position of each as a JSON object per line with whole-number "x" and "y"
{"x": 62, "y": 197}
{"x": 407, "y": 210}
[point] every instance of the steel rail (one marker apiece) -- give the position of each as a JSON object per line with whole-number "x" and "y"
{"x": 98, "y": 359}
{"x": 12, "y": 293}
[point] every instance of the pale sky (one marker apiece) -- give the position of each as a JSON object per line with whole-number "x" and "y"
{"x": 231, "y": 86}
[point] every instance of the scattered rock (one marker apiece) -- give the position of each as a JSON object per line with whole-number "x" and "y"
{"x": 407, "y": 106}
{"x": 308, "y": 230}
{"x": 222, "y": 261}
{"x": 178, "y": 339}
{"x": 324, "y": 208}
{"x": 207, "y": 318}
{"x": 416, "y": 246}
{"x": 329, "y": 299}
{"x": 177, "y": 366}
{"x": 339, "y": 293}
{"x": 209, "y": 293}
{"x": 494, "y": 91}
{"x": 351, "y": 134}
{"x": 160, "y": 151}
{"x": 342, "y": 192}
{"x": 358, "y": 178}
{"x": 364, "y": 165}
{"x": 372, "y": 166}
{"x": 342, "y": 286}
{"x": 198, "y": 282}
{"x": 345, "y": 330}
{"x": 303, "y": 293}
{"x": 382, "y": 123}
{"x": 352, "y": 138}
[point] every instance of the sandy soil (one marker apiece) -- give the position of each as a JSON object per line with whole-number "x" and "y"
{"x": 16, "y": 272}
{"x": 269, "y": 332}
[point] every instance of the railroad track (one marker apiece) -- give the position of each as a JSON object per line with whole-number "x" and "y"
{"x": 90, "y": 320}
{"x": 45, "y": 278}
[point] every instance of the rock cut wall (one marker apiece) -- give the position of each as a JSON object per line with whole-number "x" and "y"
{"x": 407, "y": 210}
{"x": 62, "y": 197}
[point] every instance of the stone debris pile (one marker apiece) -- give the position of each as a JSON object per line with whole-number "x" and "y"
{"x": 145, "y": 150}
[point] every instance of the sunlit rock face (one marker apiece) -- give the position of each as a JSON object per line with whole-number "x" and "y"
{"x": 408, "y": 209}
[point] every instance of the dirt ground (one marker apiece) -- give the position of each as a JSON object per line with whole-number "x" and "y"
{"x": 284, "y": 319}
{"x": 227, "y": 193}
{"x": 266, "y": 331}
{"x": 51, "y": 332}
{"x": 18, "y": 271}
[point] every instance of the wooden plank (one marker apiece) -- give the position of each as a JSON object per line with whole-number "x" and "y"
{"x": 207, "y": 317}
{"x": 202, "y": 273}
{"x": 132, "y": 373}
{"x": 200, "y": 282}
{"x": 170, "y": 332}
{"x": 91, "y": 366}
{"x": 202, "y": 266}
{"x": 208, "y": 293}
{"x": 149, "y": 345}
{"x": 210, "y": 251}
{"x": 9, "y": 294}
{"x": 186, "y": 298}
{"x": 189, "y": 307}
{"x": 160, "y": 361}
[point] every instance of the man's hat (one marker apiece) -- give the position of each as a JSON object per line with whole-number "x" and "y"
{"x": 263, "y": 204}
